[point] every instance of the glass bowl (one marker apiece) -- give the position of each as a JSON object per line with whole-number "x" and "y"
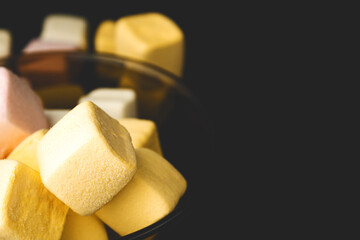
{"x": 184, "y": 128}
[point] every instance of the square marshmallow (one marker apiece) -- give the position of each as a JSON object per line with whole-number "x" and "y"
{"x": 117, "y": 102}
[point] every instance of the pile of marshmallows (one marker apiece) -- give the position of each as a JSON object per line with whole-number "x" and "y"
{"x": 65, "y": 180}
{"x": 64, "y": 173}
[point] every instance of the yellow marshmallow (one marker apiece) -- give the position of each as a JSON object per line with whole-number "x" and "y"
{"x": 5, "y": 43}
{"x": 27, "y": 209}
{"x": 83, "y": 227}
{"x": 153, "y": 38}
{"x": 143, "y": 133}
{"x": 153, "y": 193}
{"x": 104, "y": 37}
{"x": 26, "y": 151}
{"x": 86, "y": 158}
{"x": 76, "y": 227}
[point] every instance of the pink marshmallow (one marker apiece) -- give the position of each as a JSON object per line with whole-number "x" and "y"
{"x": 21, "y": 111}
{"x": 39, "y": 45}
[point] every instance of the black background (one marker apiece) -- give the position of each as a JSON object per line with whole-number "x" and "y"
{"x": 216, "y": 36}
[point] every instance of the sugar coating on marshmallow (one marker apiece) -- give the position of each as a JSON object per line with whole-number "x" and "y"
{"x": 54, "y": 115}
{"x": 21, "y": 111}
{"x": 153, "y": 193}
{"x": 86, "y": 158}
{"x": 117, "y": 102}
{"x": 105, "y": 37}
{"x": 143, "y": 133}
{"x": 5, "y": 43}
{"x": 27, "y": 209}
{"x": 65, "y": 28}
{"x": 40, "y": 45}
{"x": 151, "y": 37}
{"x": 26, "y": 151}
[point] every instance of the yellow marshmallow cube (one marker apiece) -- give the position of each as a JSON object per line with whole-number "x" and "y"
{"x": 26, "y": 151}
{"x": 86, "y": 158}
{"x": 153, "y": 193}
{"x": 5, "y": 43}
{"x": 27, "y": 209}
{"x": 104, "y": 37}
{"x": 76, "y": 227}
{"x": 153, "y": 38}
{"x": 143, "y": 133}
{"x": 83, "y": 227}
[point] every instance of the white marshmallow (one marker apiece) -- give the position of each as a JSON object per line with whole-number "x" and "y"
{"x": 117, "y": 102}
{"x": 65, "y": 28}
{"x": 54, "y": 115}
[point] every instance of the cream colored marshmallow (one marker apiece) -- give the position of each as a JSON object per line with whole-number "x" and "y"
{"x": 86, "y": 158}
{"x": 65, "y": 28}
{"x": 54, "y": 115}
{"x": 117, "y": 102}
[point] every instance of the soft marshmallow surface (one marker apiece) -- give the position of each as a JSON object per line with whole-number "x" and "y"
{"x": 5, "y": 43}
{"x": 21, "y": 111}
{"x": 117, "y": 102}
{"x": 153, "y": 193}
{"x": 26, "y": 151}
{"x": 76, "y": 227}
{"x": 27, "y": 209}
{"x": 65, "y": 28}
{"x": 39, "y": 45}
{"x": 143, "y": 133}
{"x": 83, "y": 227}
{"x": 105, "y": 37}
{"x": 153, "y": 38}
{"x": 86, "y": 158}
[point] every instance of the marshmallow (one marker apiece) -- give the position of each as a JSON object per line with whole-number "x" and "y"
{"x": 76, "y": 227}
{"x": 39, "y": 45}
{"x": 26, "y": 151}
{"x": 117, "y": 102}
{"x": 83, "y": 227}
{"x": 5, "y": 43}
{"x": 104, "y": 37}
{"x": 86, "y": 158}
{"x": 21, "y": 111}
{"x": 143, "y": 133}
{"x": 27, "y": 209}
{"x": 153, "y": 38}
{"x": 66, "y": 29}
{"x": 54, "y": 115}
{"x": 153, "y": 193}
